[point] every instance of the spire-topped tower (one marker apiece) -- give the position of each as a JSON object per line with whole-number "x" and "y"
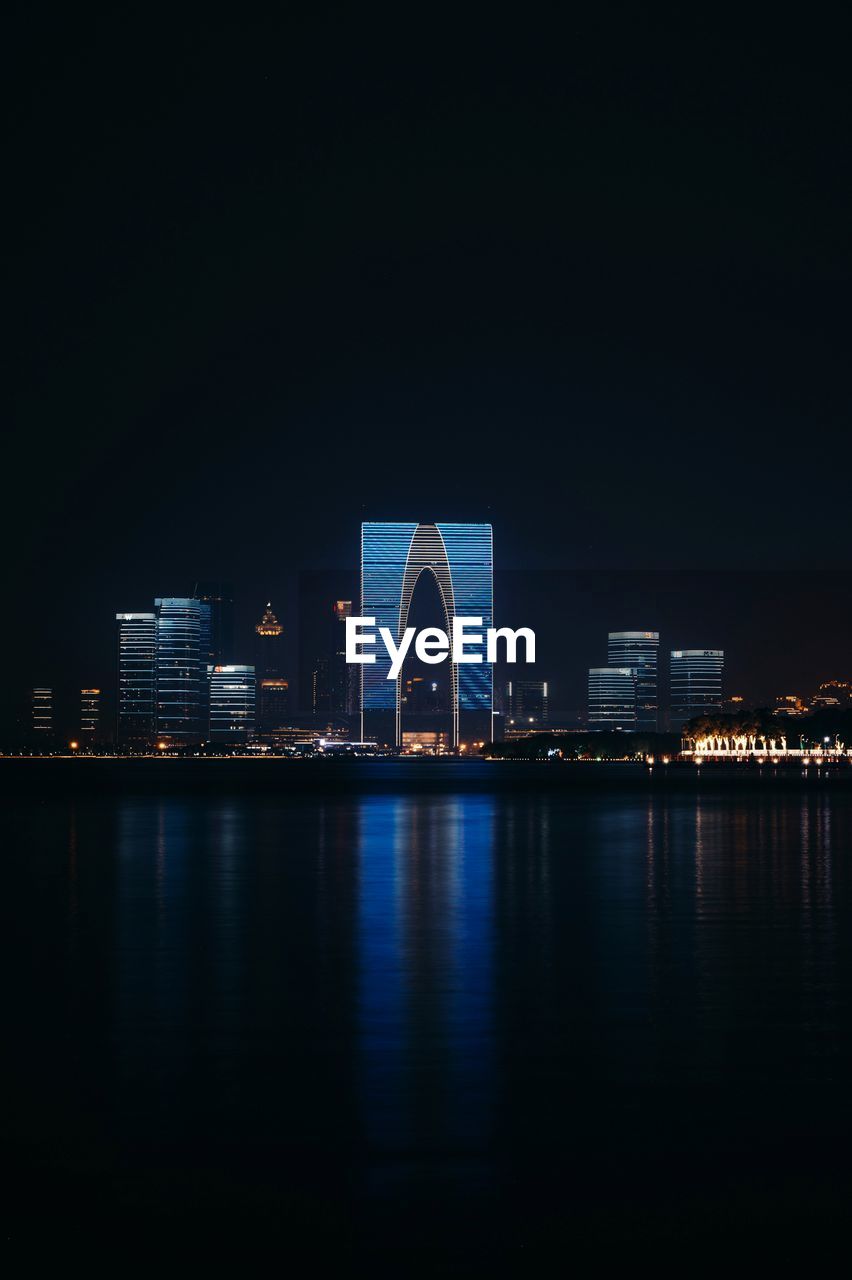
{"x": 272, "y": 684}
{"x": 269, "y": 624}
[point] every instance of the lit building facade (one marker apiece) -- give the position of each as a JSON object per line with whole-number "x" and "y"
{"x": 273, "y": 687}
{"x": 232, "y": 702}
{"x": 218, "y": 639}
{"x": 334, "y": 690}
{"x": 42, "y": 715}
{"x": 90, "y": 715}
{"x": 421, "y": 696}
{"x": 344, "y": 689}
{"x": 273, "y": 705}
{"x": 183, "y": 630}
{"x": 612, "y": 698}
{"x": 525, "y": 705}
{"x": 136, "y": 709}
{"x": 269, "y": 645}
{"x": 695, "y": 684}
{"x": 639, "y": 650}
{"x": 460, "y": 558}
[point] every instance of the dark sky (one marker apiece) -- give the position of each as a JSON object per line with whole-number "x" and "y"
{"x": 583, "y": 273}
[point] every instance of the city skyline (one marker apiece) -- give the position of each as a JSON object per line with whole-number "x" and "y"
{"x": 790, "y": 694}
{"x": 533, "y": 321}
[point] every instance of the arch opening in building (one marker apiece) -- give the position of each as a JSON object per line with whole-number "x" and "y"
{"x": 460, "y": 558}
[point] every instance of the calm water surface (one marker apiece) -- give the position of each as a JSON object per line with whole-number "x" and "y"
{"x": 478, "y": 1020}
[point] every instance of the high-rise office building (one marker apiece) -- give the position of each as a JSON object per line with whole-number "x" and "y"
{"x": 421, "y": 696}
{"x": 232, "y": 702}
{"x": 273, "y": 705}
{"x": 612, "y": 698}
{"x": 273, "y": 687}
{"x": 42, "y": 715}
{"x": 334, "y": 689}
{"x": 182, "y": 631}
{"x": 344, "y": 690}
{"x": 136, "y": 703}
{"x": 525, "y": 703}
{"x": 90, "y": 715}
{"x": 460, "y": 559}
{"x": 695, "y": 683}
{"x": 639, "y": 650}
{"x": 269, "y": 645}
{"x": 218, "y": 640}
{"x": 321, "y": 687}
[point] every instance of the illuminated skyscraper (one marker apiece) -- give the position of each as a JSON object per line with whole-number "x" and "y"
{"x": 334, "y": 681}
{"x": 460, "y": 558}
{"x": 90, "y": 715}
{"x": 526, "y": 703}
{"x": 232, "y": 702}
{"x": 421, "y": 696}
{"x": 639, "y": 651}
{"x": 344, "y": 685}
{"x": 218, "y": 640}
{"x": 273, "y": 688}
{"x": 136, "y": 709}
{"x": 695, "y": 684}
{"x": 182, "y": 635}
{"x": 42, "y": 716}
{"x": 612, "y": 698}
{"x": 273, "y": 705}
{"x": 269, "y": 645}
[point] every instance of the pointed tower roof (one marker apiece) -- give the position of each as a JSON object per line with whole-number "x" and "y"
{"x": 269, "y": 624}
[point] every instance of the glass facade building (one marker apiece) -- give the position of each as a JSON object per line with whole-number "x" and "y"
{"x": 218, "y": 640}
{"x": 612, "y": 698}
{"x": 695, "y": 682}
{"x": 183, "y": 630}
{"x": 639, "y": 650}
{"x": 232, "y": 702}
{"x": 136, "y": 710}
{"x": 460, "y": 558}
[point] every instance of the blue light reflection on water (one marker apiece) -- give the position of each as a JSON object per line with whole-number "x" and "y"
{"x": 462, "y": 1001}
{"x": 426, "y": 972}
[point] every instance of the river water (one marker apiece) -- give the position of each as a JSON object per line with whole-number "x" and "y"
{"x": 478, "y": 1021}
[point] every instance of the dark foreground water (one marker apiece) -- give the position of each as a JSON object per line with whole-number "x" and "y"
{"x": 477, "y": 1022}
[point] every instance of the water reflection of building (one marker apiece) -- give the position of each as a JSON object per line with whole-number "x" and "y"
{"x": 426, "y": 963}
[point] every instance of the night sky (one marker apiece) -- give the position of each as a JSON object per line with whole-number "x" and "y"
{"x": 586, "y": 276}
